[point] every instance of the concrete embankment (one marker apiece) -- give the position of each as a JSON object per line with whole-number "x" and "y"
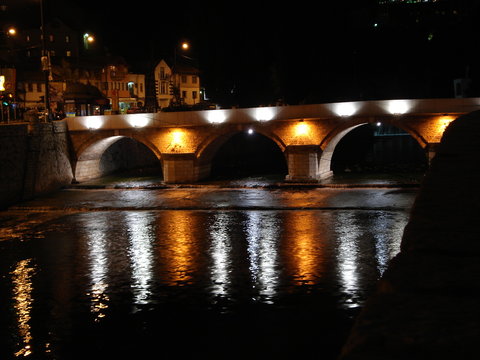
{"x": 427, "y": 305}
{"x": 34, "y": 159}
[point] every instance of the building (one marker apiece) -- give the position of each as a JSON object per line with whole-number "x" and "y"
{"x": 177, "y": 85}
{"x": 91, "y": 88}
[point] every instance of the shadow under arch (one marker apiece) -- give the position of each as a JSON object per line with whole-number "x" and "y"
{"x": 329, "y": 144}
{"x": 104, "y": 156}
{"x": 258, "y": 145}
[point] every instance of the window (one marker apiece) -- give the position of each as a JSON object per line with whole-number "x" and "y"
{"x": 194, "y": 79}
{"x": 39, "y": 87}
{"x": 67, "y": 38}
{"x": 184, "y": 79}
{"x": 30, "y": 87}
{"x": 50, "y": 37}
{"x": 184, "y": 94}
{"x": 69, "y": 53}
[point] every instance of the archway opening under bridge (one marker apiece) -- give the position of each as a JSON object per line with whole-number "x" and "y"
{"x": 249, "y": 155}
{"x": 378, "y": 150}
{"x": 118, "y": 159}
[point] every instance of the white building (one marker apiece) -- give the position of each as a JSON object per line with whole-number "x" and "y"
{"x": 176, "y": 85}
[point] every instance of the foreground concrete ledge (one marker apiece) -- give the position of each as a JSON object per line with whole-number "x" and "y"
{"x": 427, "y": 305}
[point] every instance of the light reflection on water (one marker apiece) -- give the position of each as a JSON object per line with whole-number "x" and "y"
{"x": 23, "y": 301}
{"x": 98, "y": 257}
{"x": 141, "y": 234}
{"x": 347, "y": 257}
{"x": 262, "y": 232}
{"x": 220, "y": 252}
{"x": 131, "y": 259}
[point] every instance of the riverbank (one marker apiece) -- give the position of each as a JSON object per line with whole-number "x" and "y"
{"x": 426, "y": 304}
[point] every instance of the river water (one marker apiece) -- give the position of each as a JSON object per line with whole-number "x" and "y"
{"x": 181, "y": 272}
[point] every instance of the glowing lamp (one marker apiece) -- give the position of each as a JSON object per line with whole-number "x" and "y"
{"x": 398, "y": 107}
{"x": 345, "y": 109}
{"x": 139, "y": 121}
{"x": 177, "y": 137}
{"x": 93, "y": 123}
{"x": 302, "y": 129}
{"x": 264, "y": 114}
{"x": 216, "y": 116}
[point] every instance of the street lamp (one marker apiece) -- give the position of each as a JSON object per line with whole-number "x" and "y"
{"x": 87, "y": 40}
{"x": 45, "y": 62}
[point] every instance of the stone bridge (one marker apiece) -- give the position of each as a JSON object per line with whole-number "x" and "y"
{"x": 186, "y": 142}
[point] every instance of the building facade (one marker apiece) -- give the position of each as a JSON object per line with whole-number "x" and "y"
{"x": 177, "y": 85}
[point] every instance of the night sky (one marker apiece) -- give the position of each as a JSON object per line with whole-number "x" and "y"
{"x": 255, "y": 52}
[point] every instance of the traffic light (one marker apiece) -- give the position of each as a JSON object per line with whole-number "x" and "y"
{"x": 7, "y": 99}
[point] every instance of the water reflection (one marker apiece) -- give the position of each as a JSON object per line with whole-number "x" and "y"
{"x": 205, "y": 275}
{"x": 262, "y": 233}
{"x": 220, "y": 252}
{"x": 177, "y": 247}
{"x": 366, "y": 242}
{"x": 305, "y": 238}
{"x": 23, "y": 302}
{"x": 384, "y": 230}
{"x": 347, "y": 259}
{"x": 141, "y": 233}
{"x": 98, "y": 262}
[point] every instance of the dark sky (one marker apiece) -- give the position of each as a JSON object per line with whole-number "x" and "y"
{"x": 254, "y": 52}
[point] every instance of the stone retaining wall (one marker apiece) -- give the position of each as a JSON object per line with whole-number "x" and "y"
{"x": 34, "y": 159}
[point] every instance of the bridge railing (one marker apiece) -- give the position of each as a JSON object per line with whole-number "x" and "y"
{"x": 276, "y": 113}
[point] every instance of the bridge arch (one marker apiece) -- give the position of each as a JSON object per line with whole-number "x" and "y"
{"x": 210, "y": 147}
{"x": 330, "y": 142}
{"x": 91, "y": 162}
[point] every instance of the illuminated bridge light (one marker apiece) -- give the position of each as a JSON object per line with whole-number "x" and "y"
{"x": 138, "y": 121}
{"x": 264, "y": 114}
{"x": 398, "y": 107}
{"x": 177, "y": 137}
{"x": 302, "y": 129}
{"x": 94, "y": 122}
{"x": 216, "y": 116}
{"x": 345, "y": 109}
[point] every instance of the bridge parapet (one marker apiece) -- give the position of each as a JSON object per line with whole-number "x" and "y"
{"x": 307, "y": 134}
{"x": 383, "y": 108}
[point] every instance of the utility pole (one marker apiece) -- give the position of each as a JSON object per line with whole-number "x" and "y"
{"x": 45, "y": 62}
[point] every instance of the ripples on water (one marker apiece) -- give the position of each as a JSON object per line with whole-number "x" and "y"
{"x": 212, "y": 283}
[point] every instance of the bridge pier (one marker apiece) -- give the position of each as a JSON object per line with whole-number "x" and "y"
{"x": 303, "y": 163}
{"x": 179, "y": 168}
